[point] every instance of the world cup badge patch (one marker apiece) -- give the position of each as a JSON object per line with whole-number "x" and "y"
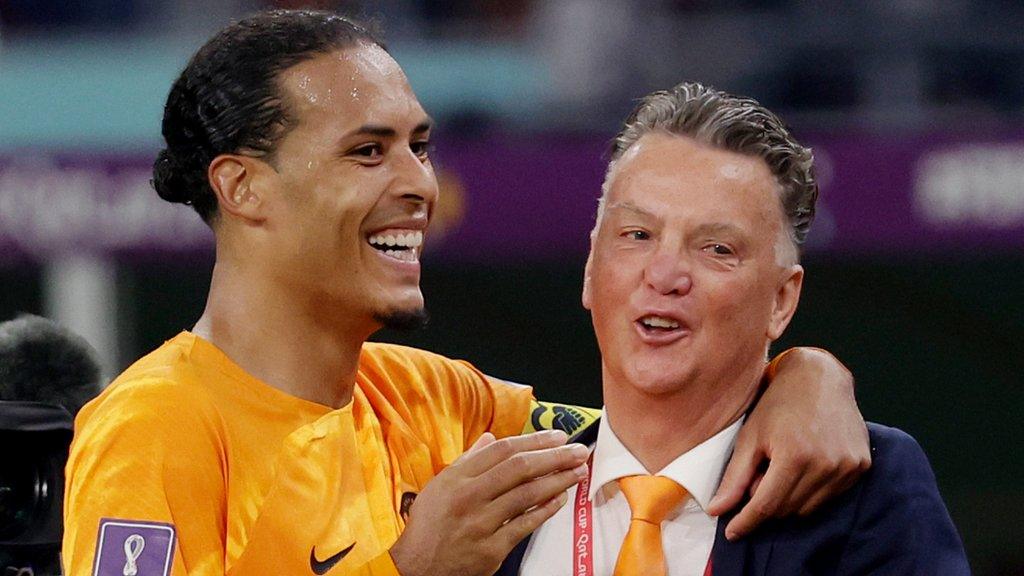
{"x": 134, "y": 548}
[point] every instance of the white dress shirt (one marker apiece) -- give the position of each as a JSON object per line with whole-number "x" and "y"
{"x": 687, "y": 534}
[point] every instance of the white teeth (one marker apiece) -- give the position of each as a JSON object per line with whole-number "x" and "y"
{"x": 403, "y": 255}
{"x": 659, "y": 322}
{"x": 410, "y": 240}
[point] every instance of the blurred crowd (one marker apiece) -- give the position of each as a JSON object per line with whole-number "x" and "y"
{"x": 907, "y": 63}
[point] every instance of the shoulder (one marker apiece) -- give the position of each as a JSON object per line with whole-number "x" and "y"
{"x": 161, "y": 399}
{"x": 896, "y": 457}
{"x": 900, "y": 514}
{"x": 417, "y": 381}
{"x": 892, "y": 521}
{"x": 166, "y": 377}
{"x": 379, "y": 354}
{"x": 169, "y": 392}
{"x": 391, "y": 362}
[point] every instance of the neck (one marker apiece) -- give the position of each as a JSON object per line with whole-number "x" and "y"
{"x": 658, "y": 428}
{"x": 279, "y": 339}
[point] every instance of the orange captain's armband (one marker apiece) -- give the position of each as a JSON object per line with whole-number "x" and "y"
{"x": 552, "y": 416}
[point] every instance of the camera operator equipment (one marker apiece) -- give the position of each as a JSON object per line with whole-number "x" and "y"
{"x": 46, "y": 374}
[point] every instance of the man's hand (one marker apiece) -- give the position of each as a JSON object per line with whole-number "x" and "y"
{"x": 809, "y": 430}
{"x": 471, "y": 515}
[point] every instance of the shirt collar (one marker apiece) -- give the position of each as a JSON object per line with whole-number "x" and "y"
{"x": 699, "y": 470}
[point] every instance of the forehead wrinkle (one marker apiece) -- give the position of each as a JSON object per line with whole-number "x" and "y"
{"x": 719, "y": 228}
{"x": 630, "y": 207}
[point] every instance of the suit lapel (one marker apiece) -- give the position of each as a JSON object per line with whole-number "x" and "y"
{"x": 747, "y": 557}
{"x": 510, "y": 567}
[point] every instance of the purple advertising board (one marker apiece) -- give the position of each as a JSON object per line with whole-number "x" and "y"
{"x": 529, "y": 198}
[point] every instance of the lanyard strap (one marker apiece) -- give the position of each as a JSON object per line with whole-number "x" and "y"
{"x": 583, "y": 528}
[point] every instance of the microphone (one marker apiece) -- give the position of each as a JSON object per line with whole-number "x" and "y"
{"x": 46, "y": 374}
{"x": 41, "y": 361}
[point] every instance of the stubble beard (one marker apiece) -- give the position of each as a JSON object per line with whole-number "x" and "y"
{"x": 403, "y": 320}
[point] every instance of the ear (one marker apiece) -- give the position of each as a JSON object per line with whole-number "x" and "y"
{"x": 786, "y": 299}
{"x": 587, "y": 298}
{"x": 236, "y": 180}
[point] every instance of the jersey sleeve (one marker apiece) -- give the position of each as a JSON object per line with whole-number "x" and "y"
{"x": 145, "y": 487}
{"x": 492, "y": 405}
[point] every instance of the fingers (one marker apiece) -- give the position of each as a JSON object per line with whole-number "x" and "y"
{"x": 834, "y": 479}
{"x": 485, "y": 439}
{"x": 536, "y": 492}
{"x": 745, "y": 462}
{"x": 756, "y": 483}
{"x": 524, "y": 467}
{"x": 798, "y": 481}
{"x": 486, "y": 457}
{"x": 766, "y": 502}
{"x": 526, "y": 523}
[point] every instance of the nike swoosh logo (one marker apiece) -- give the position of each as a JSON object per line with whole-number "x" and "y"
{"x": 320, "y": 567}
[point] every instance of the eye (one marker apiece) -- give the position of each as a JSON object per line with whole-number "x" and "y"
{"x": 636, "y": 235}
{"x": 422, "y": 149}
{"x": 719, "y": 250}
{"x": 373, "y": 151}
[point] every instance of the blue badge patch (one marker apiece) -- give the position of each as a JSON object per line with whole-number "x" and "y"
{"x": 134, "y": 548}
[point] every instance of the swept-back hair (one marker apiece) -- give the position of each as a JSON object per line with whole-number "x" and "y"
{"x": 734, "y": 123}
{"x": 228, "y": 100}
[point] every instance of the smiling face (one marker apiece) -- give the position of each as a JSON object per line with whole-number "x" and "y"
{"x": 684, "y": 281}
{"x": 349, "y": 188}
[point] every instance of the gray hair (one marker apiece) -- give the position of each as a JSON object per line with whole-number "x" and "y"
{"x": 734, "y": 123}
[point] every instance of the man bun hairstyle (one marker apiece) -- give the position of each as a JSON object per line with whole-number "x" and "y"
{"x": 227, "y": 99}
{"x": 734, "y": 123}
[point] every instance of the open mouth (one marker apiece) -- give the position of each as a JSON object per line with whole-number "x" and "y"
{"x": 658, "y": 330}
{"x": 400, "y": 245}
{"x": 653, "y": 323}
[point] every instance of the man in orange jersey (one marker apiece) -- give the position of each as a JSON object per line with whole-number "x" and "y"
{"x": 272, "y": 438}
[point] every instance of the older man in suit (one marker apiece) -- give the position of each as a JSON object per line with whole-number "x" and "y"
{"x": 693, "y": 272}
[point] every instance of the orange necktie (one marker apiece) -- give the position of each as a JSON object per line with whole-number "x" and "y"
{"x": 650, "y": 499}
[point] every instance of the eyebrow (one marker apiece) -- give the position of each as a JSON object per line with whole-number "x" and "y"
{"x": 708, "y": 228}
{"x": 631, "y": 207}
{"x": 719, "y": 228}
{"x": 387, "y": 131}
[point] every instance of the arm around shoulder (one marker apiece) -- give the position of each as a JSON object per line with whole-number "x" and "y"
{"x": 902, "y": 525}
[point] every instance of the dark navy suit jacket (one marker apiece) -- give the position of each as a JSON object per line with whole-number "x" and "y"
{"x": 892, "y": 521}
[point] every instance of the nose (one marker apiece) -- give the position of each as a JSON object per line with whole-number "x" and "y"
{"x": 414, "y": 179}
{"x": 668, "y": 273}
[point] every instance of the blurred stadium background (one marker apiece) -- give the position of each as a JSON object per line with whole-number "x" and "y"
{"x": 915, "y": 109}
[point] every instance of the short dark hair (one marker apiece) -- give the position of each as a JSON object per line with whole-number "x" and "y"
{"x": 734, "y": 123}
{"x": 228, "y": 100}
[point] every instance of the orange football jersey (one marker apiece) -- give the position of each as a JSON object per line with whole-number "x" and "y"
{"x": 187, "y": 465}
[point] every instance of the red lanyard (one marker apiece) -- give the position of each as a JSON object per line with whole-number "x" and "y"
{"x": 583, "y": 528}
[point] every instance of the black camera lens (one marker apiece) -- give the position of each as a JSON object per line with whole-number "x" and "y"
{"x": 22, "y": 493}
